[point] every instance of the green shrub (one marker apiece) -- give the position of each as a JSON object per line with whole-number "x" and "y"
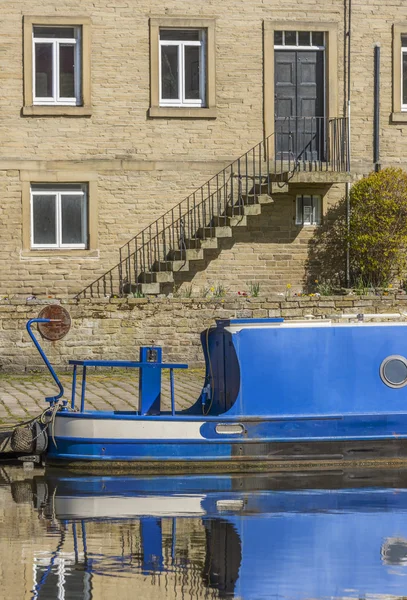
{"x": 378, "y": 228}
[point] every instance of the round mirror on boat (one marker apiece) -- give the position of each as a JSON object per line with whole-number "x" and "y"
{"x": 393, "y": 371}
{"x": 60, "y": 322}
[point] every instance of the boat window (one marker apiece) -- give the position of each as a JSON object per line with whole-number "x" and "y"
{"x": 393, "y": 371}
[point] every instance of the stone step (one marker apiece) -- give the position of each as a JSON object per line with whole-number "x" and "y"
{"x": 209, "y": 243}
{"x": 192, "y": 243}
{"x": 219, "y": 232}
{"x": 189, "y": 254}
{"x": 150, "y": 289}
{"x": 171, "y": 265}
{"x": 238, "y": 221}
{"x": 230, "y": 219}
{"x": 251, "y": 199}
{"x": 157, "y": 277}
{"x": 266, "y": 199}
{"x": 220, "y": 221}
{"x": 259, "y": 199}
{"x": 245, "y": 210}
{"x": 197, "y": 243}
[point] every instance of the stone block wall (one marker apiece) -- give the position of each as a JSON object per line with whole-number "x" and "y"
{"x": 143, "y": 166}
{"x": 119, "y": 128}
{"x": 116, "y": 328}
{"x": 271, "y": 251}
{"x": 128, "y": 199}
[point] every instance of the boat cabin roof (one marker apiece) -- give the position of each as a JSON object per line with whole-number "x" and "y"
{"x": 236, "y": 325}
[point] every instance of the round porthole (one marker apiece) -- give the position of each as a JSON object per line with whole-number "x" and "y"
{"x": 393, "y": 371}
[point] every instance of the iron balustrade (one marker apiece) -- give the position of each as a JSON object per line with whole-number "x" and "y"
{"x": 312, "y": 143}
{"x": 297, "y": 144}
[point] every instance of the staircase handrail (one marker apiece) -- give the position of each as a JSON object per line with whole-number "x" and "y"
{"x": 134, "y": 263}
{"x": 228, "y": 166}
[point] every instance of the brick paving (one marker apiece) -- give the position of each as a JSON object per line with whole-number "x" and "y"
{"x": 23, "y": 396}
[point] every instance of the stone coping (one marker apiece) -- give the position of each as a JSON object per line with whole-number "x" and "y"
{"x": 218, "y": 301}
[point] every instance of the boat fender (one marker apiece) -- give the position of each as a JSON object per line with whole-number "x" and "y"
{"x": 30, "y": 439}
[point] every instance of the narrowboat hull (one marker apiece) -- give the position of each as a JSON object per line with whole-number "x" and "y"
{"x": 95, "y": 440}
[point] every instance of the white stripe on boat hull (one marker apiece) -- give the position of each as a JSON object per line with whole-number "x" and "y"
{"x": 119, "y": 506}
{"x": 114, "y": 429}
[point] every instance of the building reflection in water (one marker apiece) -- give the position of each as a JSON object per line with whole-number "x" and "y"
{"x": 221, "y": 537}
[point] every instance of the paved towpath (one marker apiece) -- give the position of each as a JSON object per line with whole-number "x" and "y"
{"x": 22, "y": 396}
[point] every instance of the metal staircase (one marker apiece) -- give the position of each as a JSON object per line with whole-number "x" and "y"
{"x": 149, "y": 262}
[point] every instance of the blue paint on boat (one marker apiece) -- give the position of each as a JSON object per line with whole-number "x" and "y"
{"x": 272, "y": 389}
{"x": 130, "y": 450}
{"x": 305, "y": 369}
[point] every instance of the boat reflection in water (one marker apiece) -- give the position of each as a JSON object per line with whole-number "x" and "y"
{"x": 248, "y": 537}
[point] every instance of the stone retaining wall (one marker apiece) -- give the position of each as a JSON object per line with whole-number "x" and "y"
{"x": 115, "y": 328}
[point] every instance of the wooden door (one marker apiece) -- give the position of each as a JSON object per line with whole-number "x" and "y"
{"x": 299, "y": 104}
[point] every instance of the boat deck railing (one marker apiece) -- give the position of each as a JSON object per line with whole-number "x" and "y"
{"x": 123, "y": 364}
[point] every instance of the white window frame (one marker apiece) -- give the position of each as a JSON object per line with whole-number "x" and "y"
{"x": 49, "y": 191}
{"x": 298, "y": 46}
{"x": 56, "y": 99}
{"x": 181, "y": 101}
{"x": 403, "y": 52}
{"x": 314, "y": 218}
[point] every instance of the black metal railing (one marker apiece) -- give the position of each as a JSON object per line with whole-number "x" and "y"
{"x": 295, "y": 145}
{"x": 312, "y": 143}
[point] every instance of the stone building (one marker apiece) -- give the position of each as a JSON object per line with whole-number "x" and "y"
{"x": 113, "y": 112}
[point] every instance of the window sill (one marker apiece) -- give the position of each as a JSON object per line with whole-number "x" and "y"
{"x": 399, "y": 117}
{"x": 60, "y": 253}
{"x": 182, "y": 113}
{"x": 57, "y": 111}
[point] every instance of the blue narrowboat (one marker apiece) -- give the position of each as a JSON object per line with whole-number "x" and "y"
{"x": 276, "y": 393}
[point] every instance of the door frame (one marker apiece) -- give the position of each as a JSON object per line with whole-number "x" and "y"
{"x": 331, "y": 67}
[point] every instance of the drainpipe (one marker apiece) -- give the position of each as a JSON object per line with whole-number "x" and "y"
{"x": 376, "y": 122}
{"x": 349, "y": 141}
{"x": 349, "y": 77}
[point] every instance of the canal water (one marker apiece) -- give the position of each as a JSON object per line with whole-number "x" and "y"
{"x": 273, "y": 536}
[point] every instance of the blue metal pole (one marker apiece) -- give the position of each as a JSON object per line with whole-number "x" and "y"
{"x": 172, "y": 391}
{"x": 51, "y": 399}
{"x": 73, "y": 387}
{"x": 83, "y": 389}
